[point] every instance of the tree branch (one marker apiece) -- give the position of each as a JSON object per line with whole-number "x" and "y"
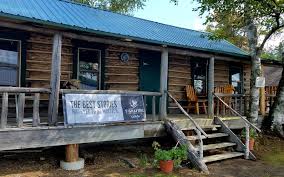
{"x": 270, "y": 33}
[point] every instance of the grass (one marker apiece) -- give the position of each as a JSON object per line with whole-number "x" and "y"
{"x": 275, "y": 158}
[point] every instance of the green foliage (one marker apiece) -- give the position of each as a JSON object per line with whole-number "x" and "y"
{"x": 252, "y": 133}
{"x": 273, "y": 53}
{"x": 120, "y": 6}
{"x": 143, "y": 160}
{"x": 178, "y": 154}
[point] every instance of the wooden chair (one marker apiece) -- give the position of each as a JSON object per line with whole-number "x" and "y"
{"x": 193, "y": 99}
{"x": 226, "y": 89}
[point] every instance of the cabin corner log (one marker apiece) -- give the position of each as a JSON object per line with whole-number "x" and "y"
{"x": 55, "y": 79}
{"x": 179, "y": 136}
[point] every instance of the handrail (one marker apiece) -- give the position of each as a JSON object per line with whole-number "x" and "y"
{"x": 185, "y": 113}
{"x": 243, "y": 118}
{"x": 144, "y": 93}
{"x": 23, "y": 90}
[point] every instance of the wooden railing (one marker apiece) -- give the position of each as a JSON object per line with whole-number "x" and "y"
{"x": 270, "y": 94}
{"x": 238, "y": 102}
{"x": 20, "y": 94}
{"x": 152, "y": 95}
{"x": 198, "y": 130}
{"x": 248, "y": 123}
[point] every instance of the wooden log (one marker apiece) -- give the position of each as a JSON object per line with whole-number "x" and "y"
{"x": 164, "y": 82}
{"x": 179, "y": 136}
{"x": 4, "y": 112}
{"x": 23, "y": 90}
{"x": 55, "y": 79}
{"x": 262, "y": 101}
{"x": 21, "y": 110}
{"x": 144, "y": 93}
{"x": 211, "y": 88}
{"x": 72, "y": 153}
{"x": 36, "y": 118}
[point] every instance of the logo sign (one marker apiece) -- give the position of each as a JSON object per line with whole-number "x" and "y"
{"x": 102, "y": 108}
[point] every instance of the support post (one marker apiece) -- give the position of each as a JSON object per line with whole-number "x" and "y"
{"x": 55, "y": 79}
{"x": 164, "y": 82}
{"x": 211, "y": 87}
{"x": 4, "y": 110}
{"x": 262, "y": 99}
{"x": 72, "y": 160}
{"x": 247, "y": 142}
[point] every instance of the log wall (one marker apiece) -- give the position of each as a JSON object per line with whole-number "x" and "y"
{"x": 179, "y": 77}
{"x": 39, "y": 53}
{"x": 121, "y": 75}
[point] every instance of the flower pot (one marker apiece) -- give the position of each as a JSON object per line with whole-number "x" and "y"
{"x": 166, "y": 166}
{"x": 251, "y": 143}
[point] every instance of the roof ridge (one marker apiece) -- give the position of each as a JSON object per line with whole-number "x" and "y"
{"x": 105, "y": 10}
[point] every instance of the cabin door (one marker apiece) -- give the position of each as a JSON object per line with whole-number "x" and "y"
{"x": 150, "y": 76}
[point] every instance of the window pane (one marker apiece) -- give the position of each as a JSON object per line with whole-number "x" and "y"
{"x": 89, "y": 69}
{"x": 9, "y": 61}
{"x": 8, "y": 76}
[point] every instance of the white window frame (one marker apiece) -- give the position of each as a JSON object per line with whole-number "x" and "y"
{"x": 78, "y": 63}
{"x": 19, "y": 58}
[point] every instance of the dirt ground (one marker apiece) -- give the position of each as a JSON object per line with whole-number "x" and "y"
{"x": 106, "y": 160}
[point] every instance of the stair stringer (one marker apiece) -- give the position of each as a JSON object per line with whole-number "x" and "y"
{"x": 232, "y": 137}
{"x": 193, "y": 156}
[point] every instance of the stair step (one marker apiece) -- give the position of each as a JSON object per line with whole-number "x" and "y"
{"x": 212, "y": 135}
{"x": 224, "y": 156}
{"x": 203, "y": 127}
{"x": 217, "y": 146}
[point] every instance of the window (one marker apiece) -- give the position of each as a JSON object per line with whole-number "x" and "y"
{"x": 199, "y": 75}
{"x": 9, "y": 62}
{"x": 236, "y": 78}
{"x": 89, "y": 68}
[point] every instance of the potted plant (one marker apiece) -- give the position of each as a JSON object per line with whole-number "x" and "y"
{"x": 252, "y": 136}
{"x": 169, "y": 158}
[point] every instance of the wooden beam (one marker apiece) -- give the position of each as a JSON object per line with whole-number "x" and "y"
{"x": 57, "y": 136}
{"x": 55, "y": 79}
{"x": 164, "y": 82}
{"x": 23, "y": 90}
{"x": 110, "y": 92}
{"x": 211, "y": 87}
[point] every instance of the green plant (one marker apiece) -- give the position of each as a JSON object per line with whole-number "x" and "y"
{"x": 252, "y": 133}
{"x": 143, "y": 160}
{"x": 177, "y": 154}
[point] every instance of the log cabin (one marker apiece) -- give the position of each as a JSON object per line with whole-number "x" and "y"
{"x": 45, "y": 44}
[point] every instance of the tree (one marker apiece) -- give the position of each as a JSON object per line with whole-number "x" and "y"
{"x": 256, "y": 18}
{"x": 120, "y": 6}
{"x": 224, "y": 28}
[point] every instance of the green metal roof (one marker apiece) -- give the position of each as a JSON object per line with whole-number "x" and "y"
{"x": 80, "y": 17}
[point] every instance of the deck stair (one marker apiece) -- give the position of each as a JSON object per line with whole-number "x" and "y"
{"x": 219, "y": 144}
{"x": 210, "y": 142}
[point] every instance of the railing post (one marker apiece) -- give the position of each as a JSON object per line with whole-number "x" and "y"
{"x": 4, "y": 112}
{"x": 154, "y": 107}
{"x": 55, "y": 79}
{"x": 247, "y": 142}
{"x": 200, "y": 144}
{"x": 211, "y": 88}
{"x": 36, "y": 118}
{"x": 164, "y": 82}
{"x": 21, "y": 110}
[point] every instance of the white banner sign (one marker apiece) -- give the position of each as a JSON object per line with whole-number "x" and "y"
{"x": 100, "y": 108}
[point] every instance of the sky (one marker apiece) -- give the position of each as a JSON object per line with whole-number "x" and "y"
{"x": 180, "y": 15}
